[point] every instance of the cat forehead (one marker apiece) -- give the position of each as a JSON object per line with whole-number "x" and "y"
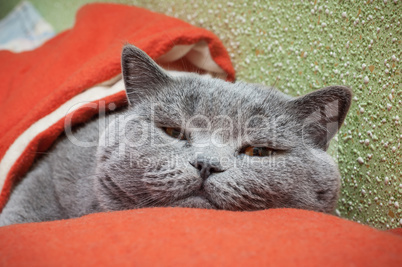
{"x": 196, "y": 94}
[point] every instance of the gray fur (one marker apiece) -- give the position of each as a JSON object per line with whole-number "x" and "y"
{"x": 136, "y": 164}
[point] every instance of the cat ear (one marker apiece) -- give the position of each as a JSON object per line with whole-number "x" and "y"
{"x": 142, "y": 76}
{"x": 322, "y": 113}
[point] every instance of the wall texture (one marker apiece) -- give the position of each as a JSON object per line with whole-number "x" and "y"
{"x": 300, "y": 46}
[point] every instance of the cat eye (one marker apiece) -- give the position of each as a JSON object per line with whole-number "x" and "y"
{"x": 259, "y": 151}
{"x": 175, "y": 133}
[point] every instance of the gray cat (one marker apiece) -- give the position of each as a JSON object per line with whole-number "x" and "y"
{"x": 189, "y": 141}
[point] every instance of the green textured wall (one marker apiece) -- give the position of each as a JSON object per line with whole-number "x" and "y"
{"x": 299, "y": 46}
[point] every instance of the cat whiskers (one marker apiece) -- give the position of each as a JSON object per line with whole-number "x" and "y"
{"x": 152, "y": 202}
{"x": 145, "y": 202}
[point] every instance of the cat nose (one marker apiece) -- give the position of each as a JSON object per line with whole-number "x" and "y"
{"x": 207, "y": 166}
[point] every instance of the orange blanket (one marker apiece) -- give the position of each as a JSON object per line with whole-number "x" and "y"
{"x": 192, "y": 237}
{"x": 35, "y": 85}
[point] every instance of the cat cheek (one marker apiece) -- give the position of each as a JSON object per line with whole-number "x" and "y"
{"x": 173, "y": 184}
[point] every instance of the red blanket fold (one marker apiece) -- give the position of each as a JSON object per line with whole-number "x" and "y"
{"x": 35, "y": 84}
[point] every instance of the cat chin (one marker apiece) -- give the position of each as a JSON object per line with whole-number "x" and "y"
{"x": 194, "y": 202}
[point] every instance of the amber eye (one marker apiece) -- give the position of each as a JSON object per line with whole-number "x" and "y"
{"x": 175, "y": 133}
{"x": 259, "y": 151}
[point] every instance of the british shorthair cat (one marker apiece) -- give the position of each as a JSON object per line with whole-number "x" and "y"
{"x": 189, "y": 140}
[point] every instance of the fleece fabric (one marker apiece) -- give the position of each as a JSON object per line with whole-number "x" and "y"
{"x": 193, "y": 237}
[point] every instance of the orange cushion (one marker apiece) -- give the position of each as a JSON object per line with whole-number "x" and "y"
{"x": 191, "y": 237}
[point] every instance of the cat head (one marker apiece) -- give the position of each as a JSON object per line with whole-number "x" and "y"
{"x": 194, "y": 141}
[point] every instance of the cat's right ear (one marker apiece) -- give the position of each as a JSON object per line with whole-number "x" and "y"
{"x": 142, "y": 76}
{"x": 322, "y": 113}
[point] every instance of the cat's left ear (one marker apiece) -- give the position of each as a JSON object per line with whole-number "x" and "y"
{"x": 142, "y": 76}
{"x": 322, "y": 113}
